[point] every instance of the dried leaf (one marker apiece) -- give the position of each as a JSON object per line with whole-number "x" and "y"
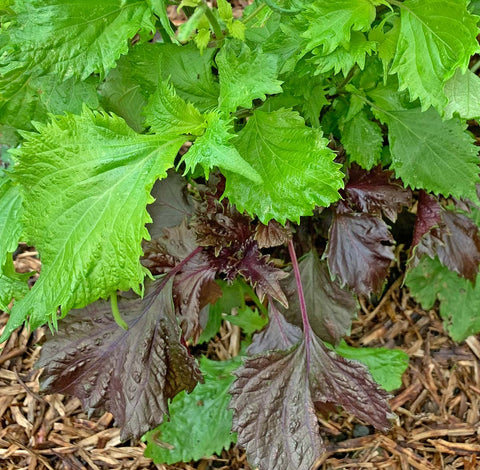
{"x": 130, "y": 373}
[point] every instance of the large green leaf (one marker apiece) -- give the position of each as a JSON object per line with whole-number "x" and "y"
{"x": 85, "y": 209}
{"x": 332, "y": 21}
{"x": 77, "y": 38}
{"x": 10, "y": 217}
{"x": 436, "y": 37}
{"x": 459, "y": 298}
{"x": 427, "y": 152}
{"x": 294, "y": 162}
{"x": 201, "y": 422}
{"x": 245, "y": 75}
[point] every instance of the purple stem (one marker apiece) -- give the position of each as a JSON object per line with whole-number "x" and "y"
{"x": 301, "y": 296}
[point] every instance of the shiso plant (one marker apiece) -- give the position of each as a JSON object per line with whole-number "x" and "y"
{"x": 170, "y": 176}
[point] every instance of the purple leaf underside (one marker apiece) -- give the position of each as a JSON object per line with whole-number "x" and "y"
{"x": 359, "y": 251}
{"x": 451, "y": 236}
{"x": 274, "y": 398}
{"x": 373, "y": 192}
{"x": 330, "y": 307}
{"x": 130, "y": 373}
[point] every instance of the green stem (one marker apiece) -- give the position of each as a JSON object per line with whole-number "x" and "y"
{"x": 214, "y": 24}
{"x": 116, "y": 313}
{"x": 254, "y": 13}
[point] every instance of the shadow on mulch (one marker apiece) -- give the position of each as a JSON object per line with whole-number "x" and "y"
{"x": 437, "y": 425}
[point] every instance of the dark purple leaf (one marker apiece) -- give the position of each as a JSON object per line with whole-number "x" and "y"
{"x": 330, "y": 307}
{"x": 428, "y": 216}
{"x": 274, "y": 397}
{"x": 373, "y": 192}
{"x": 172, "y": 204}
{"x": 272, "y": 234}
{"x": 130, "y": 373}
{"x": 451, "y": 236}
{"x": 278, "y": 334}
{"x": 359, "y": 251}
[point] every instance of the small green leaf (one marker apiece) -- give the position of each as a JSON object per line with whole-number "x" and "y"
{"x": 363, "y": 141}
{"x": 248, "y": 319}
{"x": 386, "y": 365}
{"x": 159, "y": 7}
{"x": 294, "y": 162}
{"x": 332, "y": 21}
{"x": 94, "y": 177}
{"x": 225, "y": 10}
{"x": 436, "y": 37}
{"x": 245, "y": 75}
{"x": 200, "y": 422}
{"x": 459, "y": 298}
{"x": 13, "y": 285}
{"x": 168, "y": 113}
{"x": 214, "y": 149}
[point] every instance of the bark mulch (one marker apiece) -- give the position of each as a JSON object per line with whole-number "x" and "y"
{"x": 437, "y": 408}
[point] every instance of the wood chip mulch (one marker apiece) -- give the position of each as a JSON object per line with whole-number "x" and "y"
{"x": 437, "y": 408}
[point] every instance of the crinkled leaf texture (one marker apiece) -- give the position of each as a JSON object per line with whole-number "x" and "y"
{"x": 451, "y": 236}
{"x": 130, "y": 373}
{"x": 459, "y": 299}
{"x": 432, "y": 154}
{"x": 331, "y": 22}
{"x": 375, "y": 193}
{"x": 245, "y": 75}
{"x": 201, "y": 423}
{"x": 77, "y": 38}
{"x": 274, "y": 398}
{"x": 359, "y": 251}
{"x": 10, "y": 217}
{"x": 85, "y": 209}
{"x": 436, "y": 37}
{"x": 294, "y": 163}
{"x": 330, "y": 307}
{"x": 463, "y": 93}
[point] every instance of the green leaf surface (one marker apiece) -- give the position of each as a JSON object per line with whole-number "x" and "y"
{"x": 385, "y": 365}
{"x": 10, "y": 217}
{"x": 13, "y": 285}
{"x": 168, "y": 113}
{"x": 159, "y": 7}
{"x": 294, "y": 162}
{"x": 200, "y": 422}
{"x": 363, "y": 141}
{"x": 77, "y": 38}
{"x": 245, "y": 75}
{"x": 214, "y": 149}
{"x": 332, "y": 21}
{"x": 344, "y": 57}
{"x": 436, "y": 37}
{"x": 427, "y": 152}
{"x": 463, "y": 93}
{"x": 232, "y": 297}
{"x": 248, "y": 319}
{"x": 459, "y": 298}
{"x": 85, "y": 209}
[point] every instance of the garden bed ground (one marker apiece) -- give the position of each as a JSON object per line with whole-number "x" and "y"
{"x": 438, "y": 406}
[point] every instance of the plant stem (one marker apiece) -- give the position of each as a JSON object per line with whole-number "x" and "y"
{"x": 116, "y": 313}
{"x": 214, "y": 24}
{"x": 256, "y": 300}
{"x": 254, "y": 13}
{"x": 301, "y": 296}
